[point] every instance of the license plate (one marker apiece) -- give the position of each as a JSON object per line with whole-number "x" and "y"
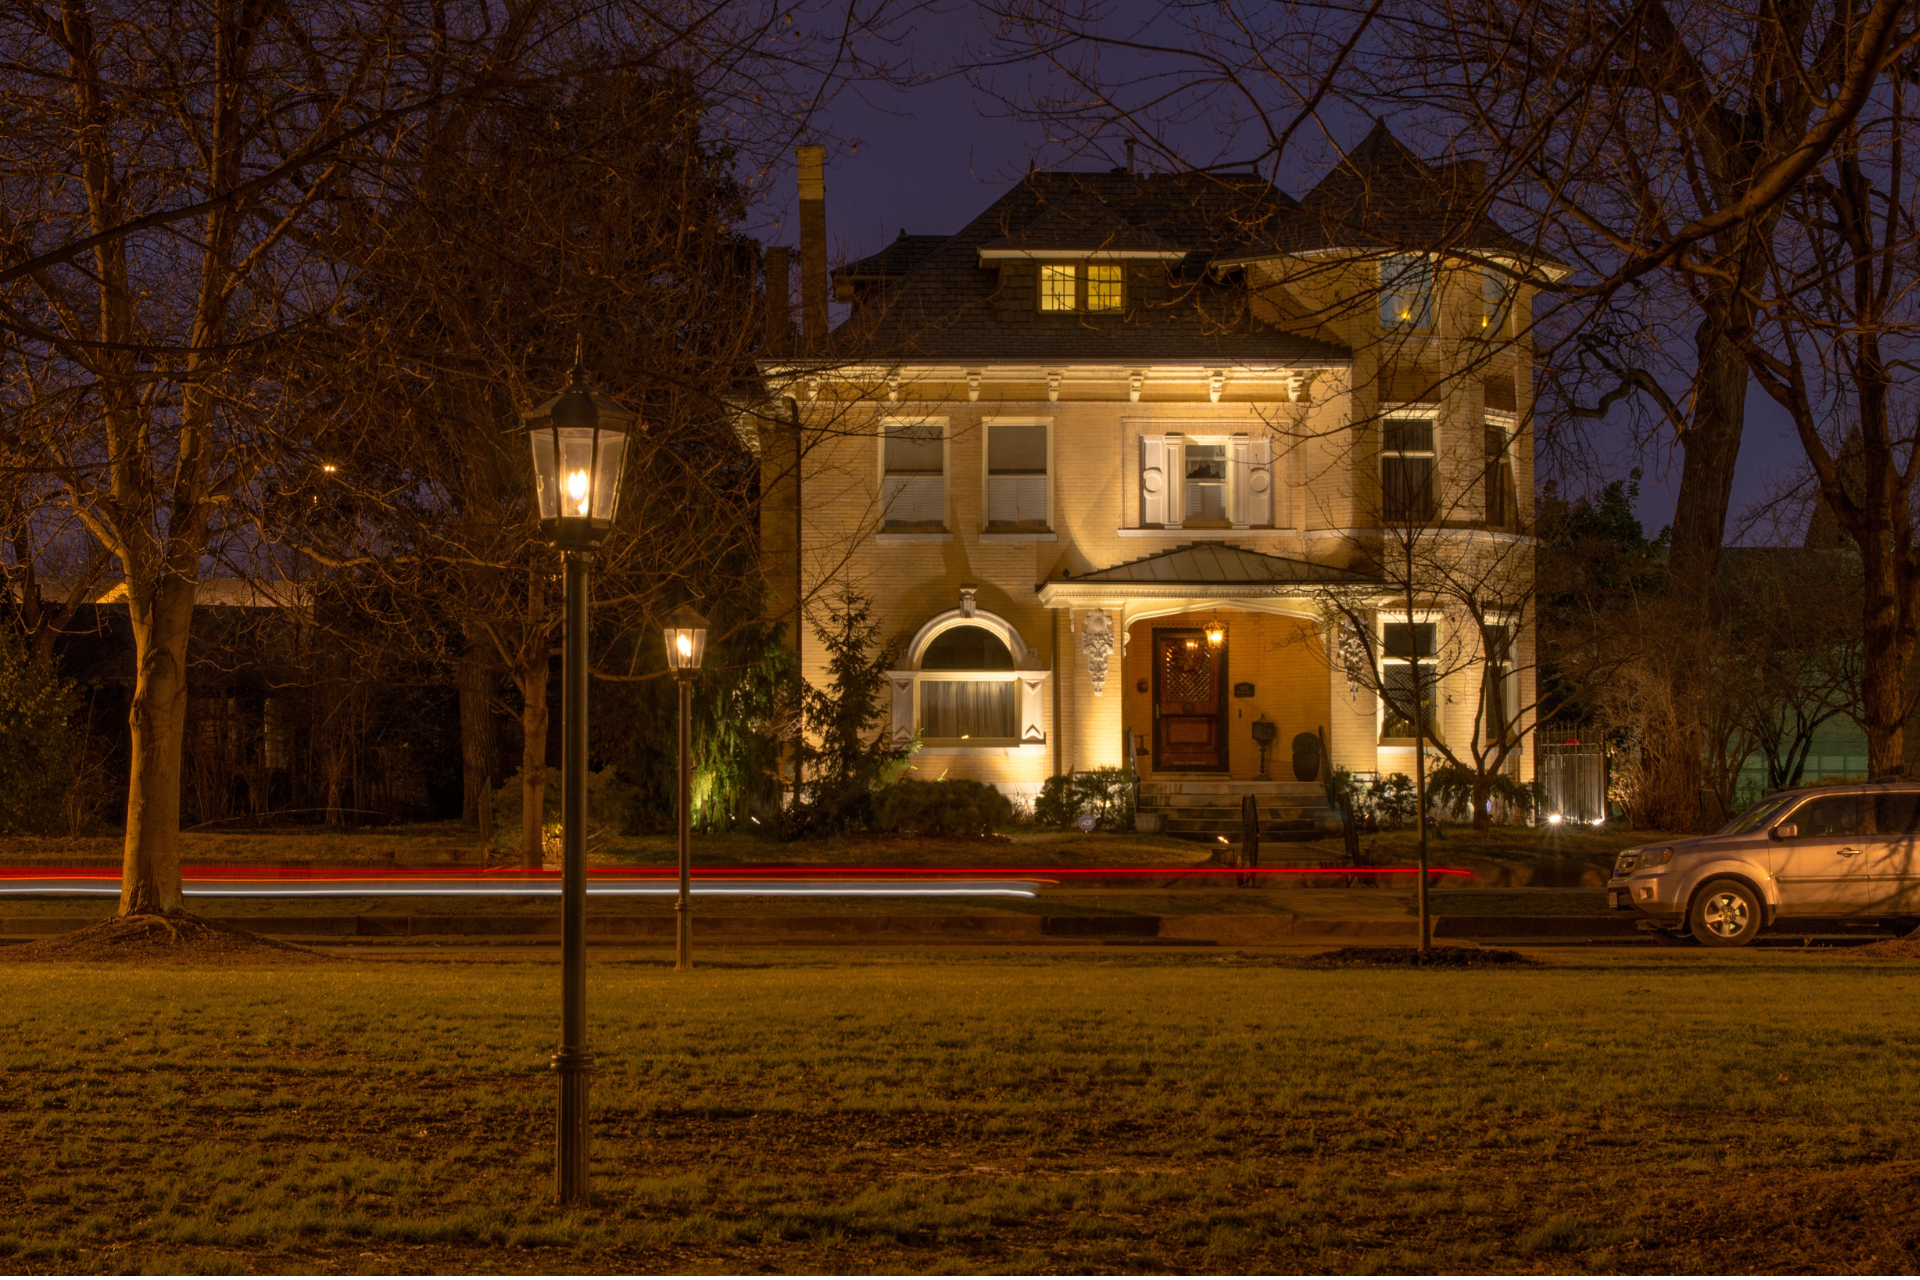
{"x": 1614, "y": 898}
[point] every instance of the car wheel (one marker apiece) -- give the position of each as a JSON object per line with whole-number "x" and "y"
{"x": 1726, "y": 914}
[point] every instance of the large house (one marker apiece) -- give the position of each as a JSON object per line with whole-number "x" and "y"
{"x": 1141, "y": 469}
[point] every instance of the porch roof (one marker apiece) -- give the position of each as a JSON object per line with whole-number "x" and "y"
{"x": 1202, "y": 568}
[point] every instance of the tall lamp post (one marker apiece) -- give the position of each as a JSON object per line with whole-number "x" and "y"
{"x": 686, "y": 643}
{"x": 579, "y": 441}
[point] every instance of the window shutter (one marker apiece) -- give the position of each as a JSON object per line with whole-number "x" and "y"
{"x": 1240, "y": 484}
{"x": 1259, "y": 506}
{"x": 1155, "y": 480}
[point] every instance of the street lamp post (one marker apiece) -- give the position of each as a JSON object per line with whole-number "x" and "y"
{"x": 579, "y": 440}
{"x": 686, "y": 634}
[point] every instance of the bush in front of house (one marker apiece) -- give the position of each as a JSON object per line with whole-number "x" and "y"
{"x": 1107, "y": 794}
{"x": 1394, "y": 801}
{"x": 948, "y": 807}
{"x": 1451, "y": 790}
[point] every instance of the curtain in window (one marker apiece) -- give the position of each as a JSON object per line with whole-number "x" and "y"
{"x": 1406, "y": 470}
{"x": 967, "y": 709}
{"x": 913, "y": 493}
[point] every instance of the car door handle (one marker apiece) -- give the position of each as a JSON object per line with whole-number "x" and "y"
{"x": 1848, "y": 853}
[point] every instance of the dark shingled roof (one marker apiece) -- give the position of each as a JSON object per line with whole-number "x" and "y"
{"x": 1082, "y": 223}
{"x": 894, "y": 261}
{"x": 1382, "y": 196}
{"x": 950, "y": 307}
{"x": 1214, "y": 563}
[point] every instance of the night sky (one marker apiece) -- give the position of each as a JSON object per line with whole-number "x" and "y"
{"x": 930, "y": 157}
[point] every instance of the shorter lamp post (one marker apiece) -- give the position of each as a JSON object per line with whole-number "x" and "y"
{"x": 686, "y": 634}
{"x": 579, "y": 440}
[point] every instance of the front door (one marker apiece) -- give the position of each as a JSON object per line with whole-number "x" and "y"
{"x": 1189, "y": 701}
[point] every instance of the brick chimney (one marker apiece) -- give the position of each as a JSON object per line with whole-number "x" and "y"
{"x": 813, "y": 243}
{"x": 779, "y": 300}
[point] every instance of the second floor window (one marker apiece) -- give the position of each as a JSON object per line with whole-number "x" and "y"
{"x": 1496, "y": 302}
{"x": 1406, "y": 470}
{"x": 1081, "y": 286}
{"x": 1503, "y": 499}
{"x": 1406, "y": 292}
{"x": 1204, "y": 485}
{"x": 1016, "y": 476}
{"x": 913, "y": 488}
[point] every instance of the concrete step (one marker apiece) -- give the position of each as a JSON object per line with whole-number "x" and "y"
{"x": 1229, "y": 787}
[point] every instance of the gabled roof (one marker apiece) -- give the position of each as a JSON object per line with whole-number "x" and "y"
{"x": 949, "y": 306}
{"x": 1219, "y": 564}
{"x": 1381, "y": 196}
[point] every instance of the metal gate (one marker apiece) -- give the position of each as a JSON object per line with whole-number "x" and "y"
{"x": 1574, "y": 774}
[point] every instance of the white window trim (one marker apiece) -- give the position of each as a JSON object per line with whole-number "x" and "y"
{"x": 886, "y": 421}
{"x": 1421, "y": 617}
{"x": 987, "y": 532}
{"x": 1431, "y": 412}
{"x": 1030, "y": 718}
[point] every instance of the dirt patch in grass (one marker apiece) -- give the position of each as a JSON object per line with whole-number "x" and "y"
{"x": 1410, "y": 958}
{"x": 1907, "y": 948}
{"x": 1850, "y": 1220}
{"x": 144, "y": 939}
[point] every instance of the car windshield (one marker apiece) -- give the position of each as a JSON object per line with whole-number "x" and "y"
{"x": 1756, "y": 817}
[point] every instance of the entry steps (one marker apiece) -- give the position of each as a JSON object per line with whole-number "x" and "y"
{"x": 1205, "y": 809}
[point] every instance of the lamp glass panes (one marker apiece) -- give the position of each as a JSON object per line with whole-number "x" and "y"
{"x": 579, "y": 441}
{"x": 686, "y": 636}
{"x": 1216, "y": 633}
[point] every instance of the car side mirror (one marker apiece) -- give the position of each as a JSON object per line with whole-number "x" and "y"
{"x": 1785, "y": 831}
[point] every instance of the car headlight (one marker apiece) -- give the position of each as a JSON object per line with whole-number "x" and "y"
{"x": 1655, "y": 858}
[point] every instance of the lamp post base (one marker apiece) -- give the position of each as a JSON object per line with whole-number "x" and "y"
{"x": 570, "y": 1169}
{"x": 683, "y": 935}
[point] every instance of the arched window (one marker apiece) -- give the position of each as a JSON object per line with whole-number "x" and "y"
{"x": 967, "y": 690}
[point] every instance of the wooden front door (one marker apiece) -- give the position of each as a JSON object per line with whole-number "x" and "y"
{"x": 1189, "y": 702}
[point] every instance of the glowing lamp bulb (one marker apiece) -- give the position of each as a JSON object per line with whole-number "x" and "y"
{"x": 577, "y": 490}
{"x": 684, "y": 643}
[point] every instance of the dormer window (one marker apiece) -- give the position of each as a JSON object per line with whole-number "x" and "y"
{"x": 1081, "y": 286}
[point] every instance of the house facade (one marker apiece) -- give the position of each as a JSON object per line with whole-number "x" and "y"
{"x": 1165, "y": 471}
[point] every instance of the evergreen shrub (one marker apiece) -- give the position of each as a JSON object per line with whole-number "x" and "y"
{"x": 37, "y": 741}
{"x": 1105, "y": 793}
{"x": 948, "y": 807}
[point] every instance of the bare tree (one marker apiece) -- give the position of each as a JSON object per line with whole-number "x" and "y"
{"x": 181, "y": 181}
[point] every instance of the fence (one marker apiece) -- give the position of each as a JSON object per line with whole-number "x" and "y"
{"x": 1574, "y": 774}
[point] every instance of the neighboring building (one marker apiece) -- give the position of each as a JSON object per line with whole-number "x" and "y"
{"x": 1116, "y": 412}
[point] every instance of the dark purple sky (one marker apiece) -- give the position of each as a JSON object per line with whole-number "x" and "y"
{"x": 929, "y": 158}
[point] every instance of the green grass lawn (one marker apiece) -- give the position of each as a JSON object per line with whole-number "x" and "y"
{"x": 1673, "y": 1111}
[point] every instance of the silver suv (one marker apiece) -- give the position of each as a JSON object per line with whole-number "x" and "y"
{"x": 1820, "y": 854}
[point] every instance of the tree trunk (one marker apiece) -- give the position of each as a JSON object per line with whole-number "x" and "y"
{"x": 1887, "y": 653}
{"x": 533, "y": 761}
{"x": 1482, "y": 789}
{"x": 1712, "y": 450}
{"x": 150, "y": 865}
{"x": 476, "y": 733}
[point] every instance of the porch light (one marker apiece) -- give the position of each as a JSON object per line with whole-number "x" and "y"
{"x": 1216, "y": 634}
{"x": 686, "y": 636}
{"x": 579, "y": 440}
